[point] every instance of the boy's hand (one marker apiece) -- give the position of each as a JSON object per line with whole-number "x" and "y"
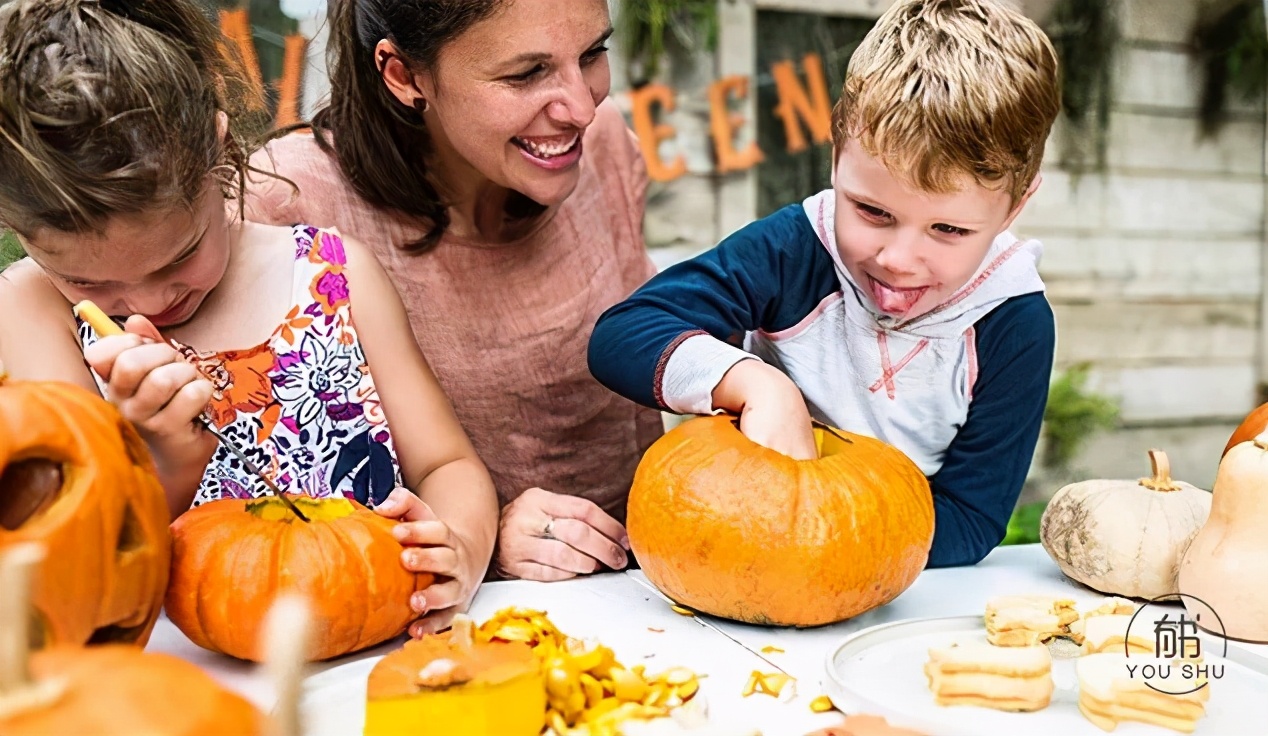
{"x": 153, "y": 386}
{"x": 552, "y": 536}
{"x": 772, "y": 410}
{"x": 432, "y": 547}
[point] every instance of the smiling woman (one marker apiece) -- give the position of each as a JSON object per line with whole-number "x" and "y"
{"x": 470, "y": 144}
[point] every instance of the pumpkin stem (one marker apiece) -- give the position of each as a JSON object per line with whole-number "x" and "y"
{"x": 286, "y": 644}
{"x": 462, "y": 632}
{"x": 19, "y": 692}
{"x": 1161, "y": 466}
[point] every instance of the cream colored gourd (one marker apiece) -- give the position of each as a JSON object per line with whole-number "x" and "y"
{"x": 1124, "y": 537}
{"x": 1227, "y": 564}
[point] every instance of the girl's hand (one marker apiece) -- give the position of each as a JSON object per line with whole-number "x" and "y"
{"x": 153, "y": 386}
{"x": 432, "y": 547}
{"x": 551, "y": 536}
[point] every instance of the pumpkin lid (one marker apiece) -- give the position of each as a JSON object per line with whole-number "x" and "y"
{"x": 452, "y": 659}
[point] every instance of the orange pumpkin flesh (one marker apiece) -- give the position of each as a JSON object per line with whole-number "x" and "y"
{"x": 454, "y": 684}
{"x": 1251, "y": 426}
{"x": 231, "y": 559}
{"x": 117, "y": 690}
{"x": 730, "y": 528}
{"x": 75, "y": 477}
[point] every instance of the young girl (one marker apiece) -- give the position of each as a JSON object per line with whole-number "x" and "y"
{"x": 120, "y": 161}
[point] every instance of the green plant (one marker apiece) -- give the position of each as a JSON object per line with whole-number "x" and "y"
{"x": 649, "y": 29}
{"x": 1231, "y": 45}
{"x": 1085, "y": 34}
{"x": 1073, "y": 415}
{"x": 10, "y": 249}
{"x": 1023, "y": 526}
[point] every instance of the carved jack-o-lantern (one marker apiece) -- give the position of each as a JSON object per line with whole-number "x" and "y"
{"x": 76, "y": 477}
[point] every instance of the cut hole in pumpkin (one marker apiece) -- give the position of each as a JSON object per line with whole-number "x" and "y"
{"x": 131, "y": 535}
{"x": 828, "y": 440}
{"x": 27, "y": 489}
{"x": 116, "y": 634}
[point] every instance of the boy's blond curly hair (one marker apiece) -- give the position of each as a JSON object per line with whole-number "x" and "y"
{"x": 943, "y": 88}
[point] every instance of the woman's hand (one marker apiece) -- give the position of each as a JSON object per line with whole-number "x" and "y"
{"x": 432, "y": 547}
{"x": 551, "y": 536}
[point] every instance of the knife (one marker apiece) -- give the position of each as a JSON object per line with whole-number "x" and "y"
{"x": 698, "y": 618}
{"x": 104, "y": 326}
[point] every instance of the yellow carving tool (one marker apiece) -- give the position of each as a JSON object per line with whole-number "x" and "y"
{"x": 104, "y": 326}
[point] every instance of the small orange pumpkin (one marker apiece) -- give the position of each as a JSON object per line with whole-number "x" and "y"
{"x": 1249, "y": 429}
{"x": 76, "y": 477}
{"x": 731, "y": 528}
{"x": 232, "y": 558}
{"x": 455, "y": 683}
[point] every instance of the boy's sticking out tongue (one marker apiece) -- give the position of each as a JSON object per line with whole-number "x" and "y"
{"x": 892, "y": 300}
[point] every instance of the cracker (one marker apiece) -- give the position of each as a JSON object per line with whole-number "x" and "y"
{"x": 1109, "y": 693}
{"x": 1025, "y": 620}
{"x": 1108, "y": 607}
{"x": 1107, "y": 633}
{"x": 1008, "y": 679}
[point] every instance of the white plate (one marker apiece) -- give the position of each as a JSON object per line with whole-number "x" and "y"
{"x": 881, "y": 670}
{"x": 333, "y": 702}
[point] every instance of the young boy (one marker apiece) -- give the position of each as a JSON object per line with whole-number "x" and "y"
{"x": 895, "y": 304}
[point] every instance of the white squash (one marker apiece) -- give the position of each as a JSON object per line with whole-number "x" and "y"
{"x": 1123, "y": 537}
{"x": 1227, "y": 564}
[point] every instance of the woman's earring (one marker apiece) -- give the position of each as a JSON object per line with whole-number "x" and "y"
{"x": 421, "y": 105}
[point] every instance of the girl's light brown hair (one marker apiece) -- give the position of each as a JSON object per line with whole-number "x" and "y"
{"x": 108, "y": 107}
{"x": 381, "y": 145}
{"x": 940, "y": 89}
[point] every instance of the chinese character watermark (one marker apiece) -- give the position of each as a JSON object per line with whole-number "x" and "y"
{"x": 1171, "y": 641}
{"x": 1176, "y": 667}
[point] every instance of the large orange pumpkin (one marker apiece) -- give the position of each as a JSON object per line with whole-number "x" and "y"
{"x": 75, "y": 477}
{"x": 1249, "y": 429}
{"x": 731, "y": 528}
{"x": 118, "y": 690}
{"x": 232, "y": 558}
{"x": 109, "y": 690}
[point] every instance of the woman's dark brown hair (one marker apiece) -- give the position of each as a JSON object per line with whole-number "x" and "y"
{"x": 381, "y": 144}
{"x": 108, "y": 107}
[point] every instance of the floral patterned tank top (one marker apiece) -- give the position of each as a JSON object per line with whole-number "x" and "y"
{"x": 302, "y": 405}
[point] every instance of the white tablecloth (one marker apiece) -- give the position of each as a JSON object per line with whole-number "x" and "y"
{"x": 621, "y": 612}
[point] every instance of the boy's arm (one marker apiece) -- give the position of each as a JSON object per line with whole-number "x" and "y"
{"x": 976, "y": 489}
{"x": 670, "y": 344}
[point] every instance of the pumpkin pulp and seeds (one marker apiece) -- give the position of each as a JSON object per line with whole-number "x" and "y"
{"x": 588, "y": 692}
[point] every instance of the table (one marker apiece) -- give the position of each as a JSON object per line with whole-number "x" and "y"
{"x": 620, "y": 611}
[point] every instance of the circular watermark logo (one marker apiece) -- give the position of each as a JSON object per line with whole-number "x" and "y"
{"x": 1175, "y": 666}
